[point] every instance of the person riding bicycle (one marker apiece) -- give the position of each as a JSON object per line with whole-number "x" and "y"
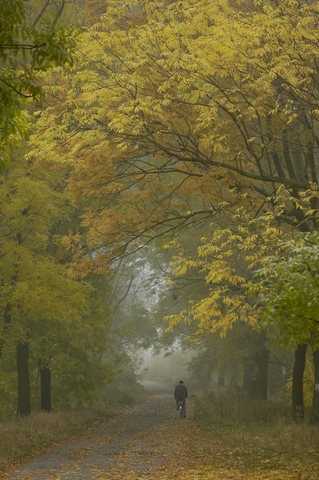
{"x": 181, "y": 395}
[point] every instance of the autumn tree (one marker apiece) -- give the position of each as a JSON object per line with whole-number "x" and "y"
{"x": 45, "y": 313}
{"x": 239, "y": 363}
{"x": 173, "y": 93}
{"x": 28, "y": 210}
{"x": 178, "y": 110}
{"x": 222, "y": 264}
{"x": 70, "y": 353}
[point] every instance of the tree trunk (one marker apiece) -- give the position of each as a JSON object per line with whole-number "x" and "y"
{"x": 24, "y": 394}
{"x": 297, "y": 381}
{"x": 233, "y": 377}
{"x": 262, "y": 361}
{"x": 315, "y": 401}
{"x": 255, "y": 381}
{"x": 249, "y": 380}
{"x": 45, "y": 375}
{"x": 5, "y": 328}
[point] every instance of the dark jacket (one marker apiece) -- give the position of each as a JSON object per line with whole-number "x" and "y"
{"x": 180, "y": 392}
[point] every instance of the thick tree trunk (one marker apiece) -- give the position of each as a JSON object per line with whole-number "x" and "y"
{"x": 315, "y": 402}
{"x": 45, "y": 375}
{"x": 297, "y": 381}
{"x": 24, "y": 395}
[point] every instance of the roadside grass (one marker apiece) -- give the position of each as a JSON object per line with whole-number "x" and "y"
{"x": 23, "y": 437}
{"x": 38, "y": 432}
{"x": 258, "y": 437}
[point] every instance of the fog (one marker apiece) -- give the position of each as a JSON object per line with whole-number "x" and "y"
{"x": 167, "y": 369}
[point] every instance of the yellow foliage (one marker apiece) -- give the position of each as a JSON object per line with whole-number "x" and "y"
{"x": 224, "y": 261}
{"x": 186, "y": 112}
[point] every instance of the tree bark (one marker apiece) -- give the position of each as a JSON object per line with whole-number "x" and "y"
{"x": 45, "y": 375}
{"x": 315, "y": 401}
{"x": 24, "y": 394}
{"x": 5, "y": 328}
{"x": 298, "y": 409}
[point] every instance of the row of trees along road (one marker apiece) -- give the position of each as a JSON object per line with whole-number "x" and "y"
{"x": 194, "y": 118}
{"x": 192, "y": 113}
{"x": 51, "y": 322}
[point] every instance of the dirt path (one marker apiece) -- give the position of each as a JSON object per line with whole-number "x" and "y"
{"x": 136, "y": 443}
{"x": 150, "y": 441}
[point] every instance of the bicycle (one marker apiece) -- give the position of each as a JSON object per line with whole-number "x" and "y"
{"x": 180, "y": 407}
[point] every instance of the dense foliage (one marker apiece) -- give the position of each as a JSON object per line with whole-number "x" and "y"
{"x": 29, "y": 46}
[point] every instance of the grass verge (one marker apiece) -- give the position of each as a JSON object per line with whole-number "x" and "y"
{"x": 257, "y": 438}
{"x": 22, "y": 437}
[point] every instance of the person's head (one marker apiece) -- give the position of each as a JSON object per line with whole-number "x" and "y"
{"x": 181, "y": 381}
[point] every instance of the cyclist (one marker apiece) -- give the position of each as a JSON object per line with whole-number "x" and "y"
{"x": 181, "y": 395}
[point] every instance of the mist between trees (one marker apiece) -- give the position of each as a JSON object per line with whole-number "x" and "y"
{"x": 159, "y": 191}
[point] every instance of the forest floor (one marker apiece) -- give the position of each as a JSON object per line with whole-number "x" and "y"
{"x": 150, "y": 441}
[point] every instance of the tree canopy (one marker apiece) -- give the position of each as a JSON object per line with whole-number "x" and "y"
{"x": 169, "y": 99}
{"x": 287, "y": 288}
{"x": 189, "y": 116}
{"x": 29, "y": 46}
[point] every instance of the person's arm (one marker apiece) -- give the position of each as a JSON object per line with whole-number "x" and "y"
{"x": 185, "y": 392}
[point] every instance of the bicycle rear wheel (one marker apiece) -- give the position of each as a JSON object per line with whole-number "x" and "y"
{"x": 181, "y": 408}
